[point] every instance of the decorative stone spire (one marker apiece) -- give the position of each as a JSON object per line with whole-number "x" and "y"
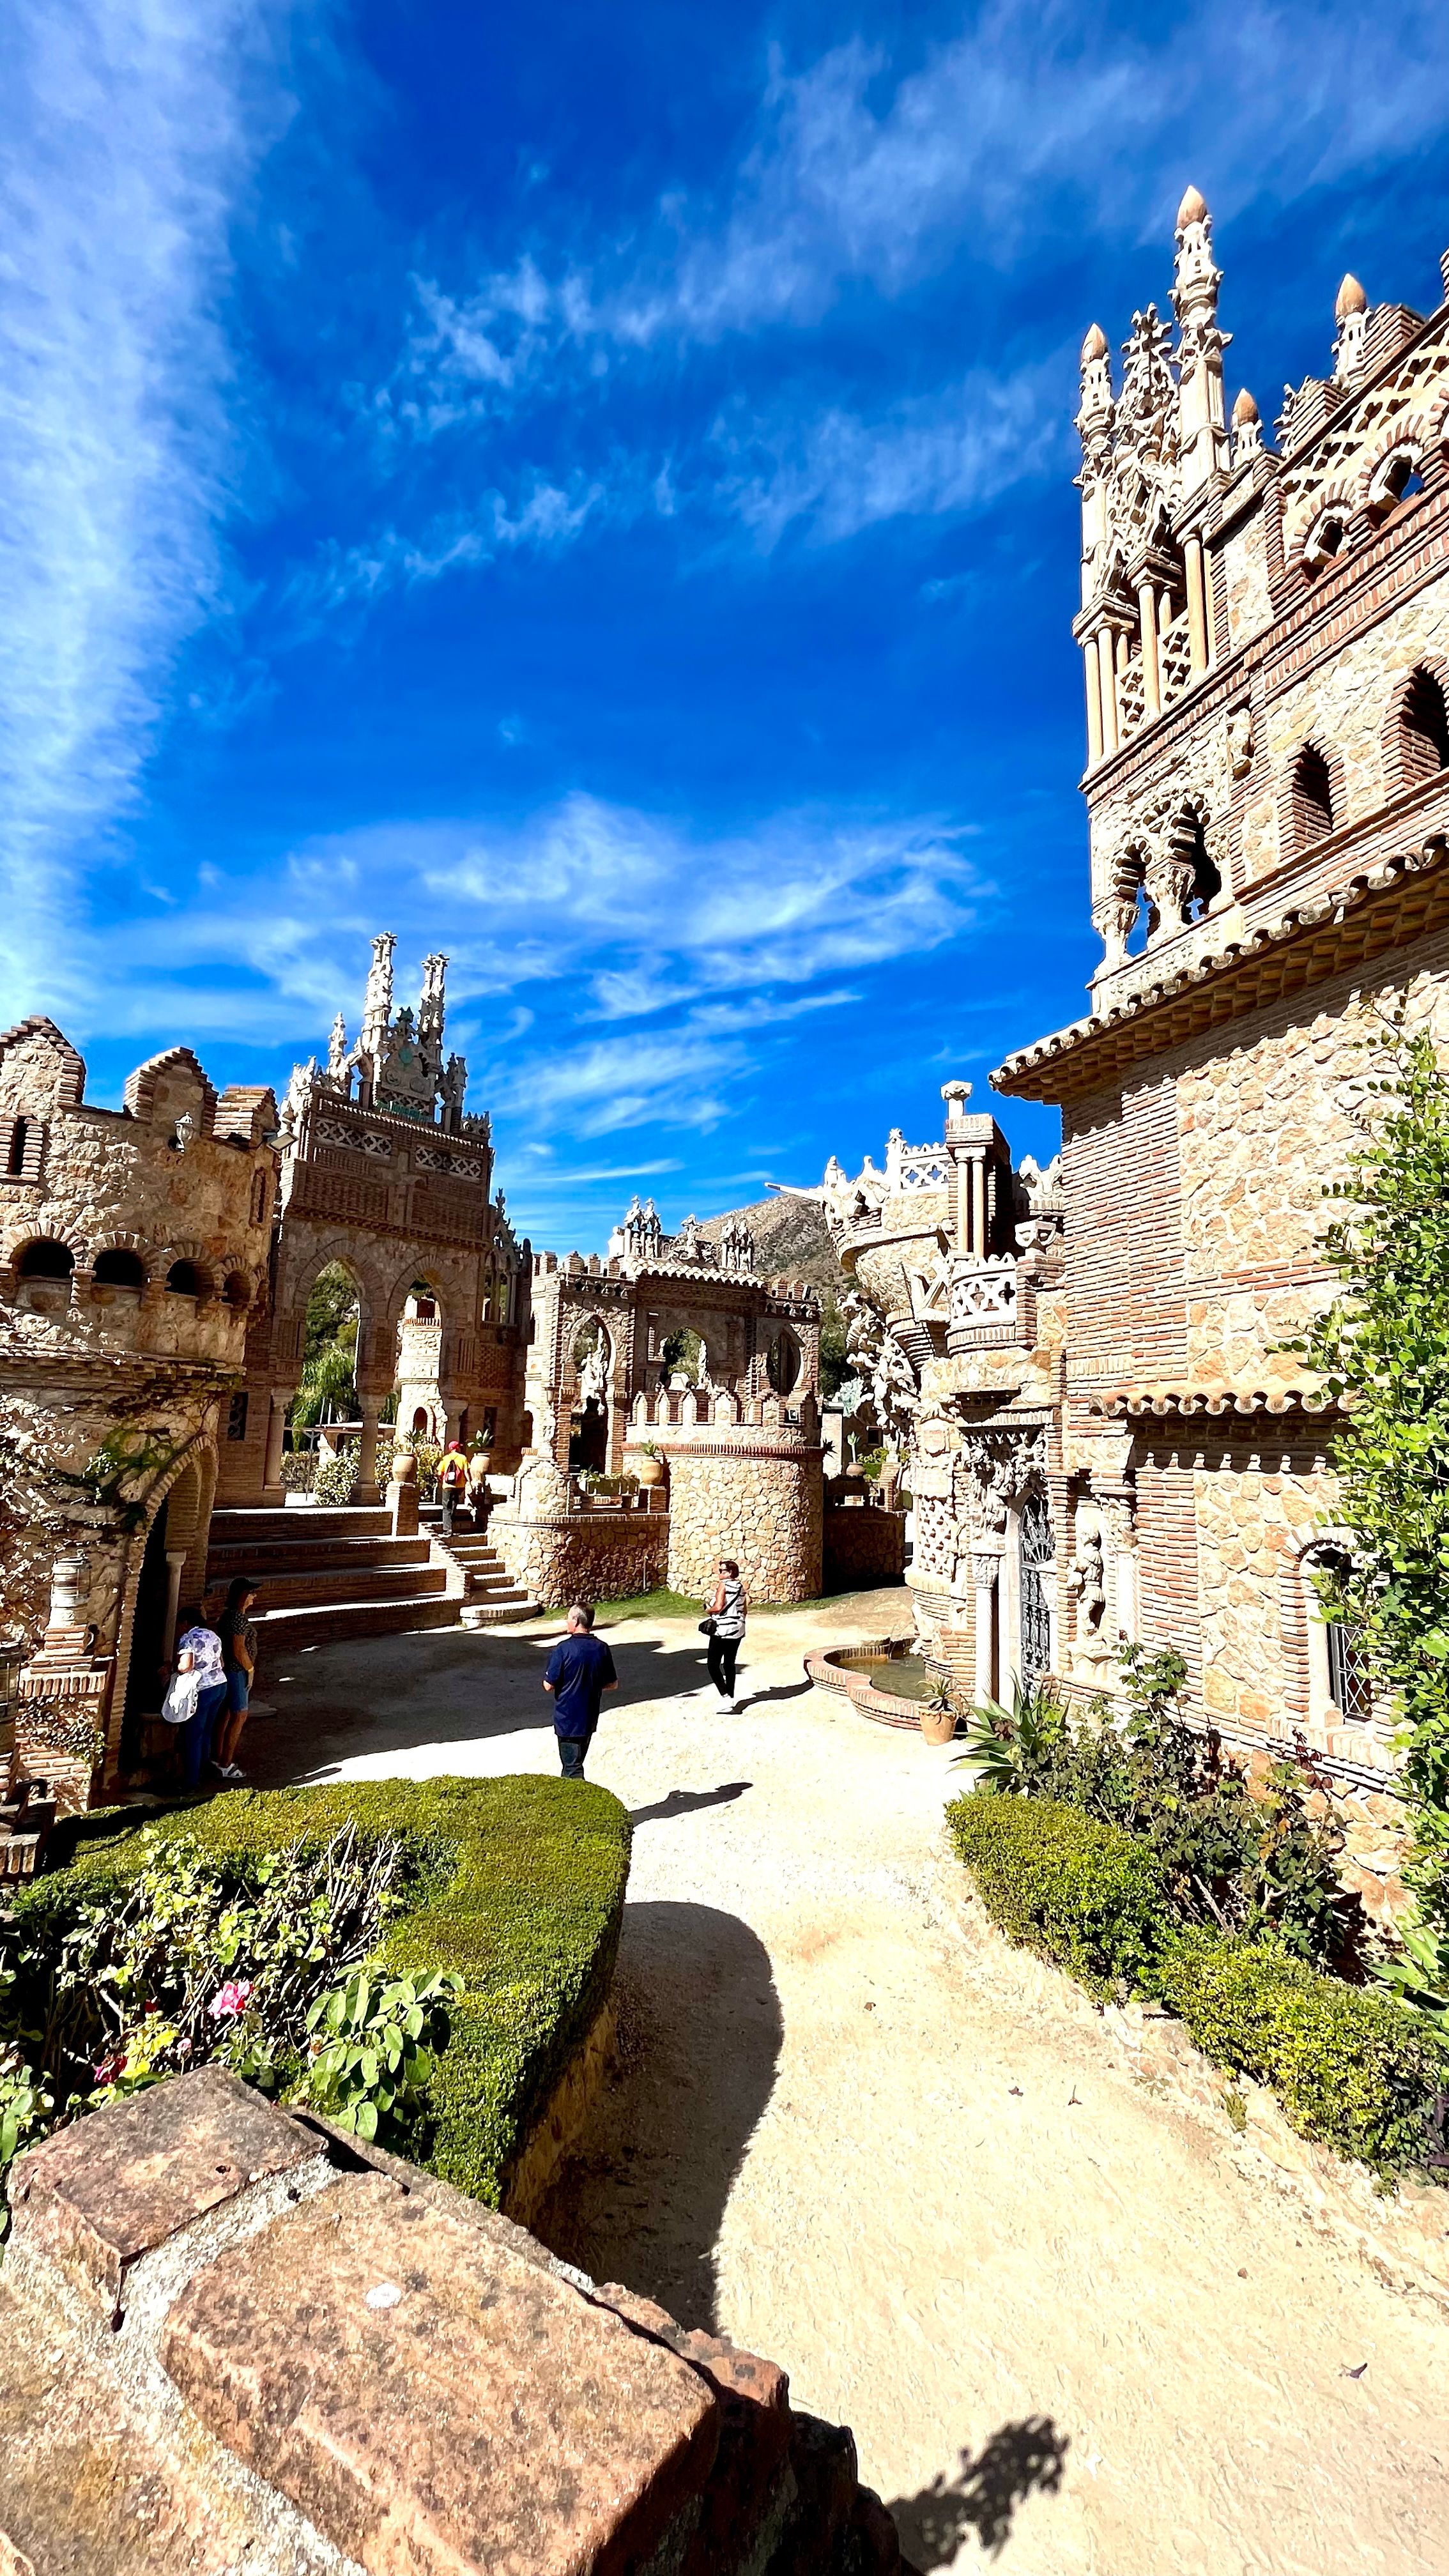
{"x": 1247, "y": 428}
{"x": 1094, "y": 426}
{"x": 1202, "y": 435}
{"x": 377, "y": 1003}
{"x": 430, "y": 1017}
{"x": 1350, "y": 312}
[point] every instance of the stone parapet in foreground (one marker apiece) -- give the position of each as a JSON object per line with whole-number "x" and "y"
{"x": 229, "y": 2336}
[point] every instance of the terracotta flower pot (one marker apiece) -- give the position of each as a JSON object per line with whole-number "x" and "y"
{"x": 404, "y": 1467}
{"x": 938, "y": 1725}
{"x": 650, "y": 1471}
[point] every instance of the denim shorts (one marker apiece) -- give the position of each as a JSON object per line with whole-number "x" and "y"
{"x": 238, "y": 1690}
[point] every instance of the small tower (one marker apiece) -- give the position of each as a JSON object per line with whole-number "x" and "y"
{"x": 1094, "y": 425}
{"x": 1350, "y": 312}
{"x": 376, "y": 1009}
{"x": 430, "y": 1018}
{"x": 1202, "y": 431}
{"x": 1247, "y": 428}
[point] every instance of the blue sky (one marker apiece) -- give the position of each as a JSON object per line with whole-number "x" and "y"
{"x": 590, "y": 489}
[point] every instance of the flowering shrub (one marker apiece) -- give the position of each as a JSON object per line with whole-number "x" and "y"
{"x": 336, "y": 1478}
{"x": 193, "y": 1966}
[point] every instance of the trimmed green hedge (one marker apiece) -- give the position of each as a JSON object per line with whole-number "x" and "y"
{"x": 519, "y": 1886}
{"x": 1084, "y": 1894}
{"x": 1352, "y": 2068}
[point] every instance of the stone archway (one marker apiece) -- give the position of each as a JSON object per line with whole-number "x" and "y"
{"x": 591, "y": 1367}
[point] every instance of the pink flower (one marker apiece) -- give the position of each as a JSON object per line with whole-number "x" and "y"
{"x": 230, "y": 1999}
{"x": 110, "y": 2068}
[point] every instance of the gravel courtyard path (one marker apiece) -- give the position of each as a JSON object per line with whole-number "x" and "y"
{"x": 1068, "y": 2332}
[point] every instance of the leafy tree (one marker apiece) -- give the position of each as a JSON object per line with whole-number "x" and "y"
{"x": 329, "y": 1351}
{"x": 835, "y": 1366}
{"x": 1384, "y": 1345}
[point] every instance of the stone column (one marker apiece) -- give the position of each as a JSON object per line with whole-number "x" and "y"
{"x": 1151, "y": 675}
{"x": 276, "y": 1429}
{"x": 175, "y": 1563}
{"x": 367, "y": 1449}
{"x": 1107, "y": 679}
{"x": 978, "y": 1202}
{"x": 1197, "y": 626}
{"x": 985, "y": 1571}
{"x": 1093, "y": 670}
{"x": 1118, "y": 1501}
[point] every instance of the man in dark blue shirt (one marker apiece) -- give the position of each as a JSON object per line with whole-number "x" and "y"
{"x": 580, "y": 1670}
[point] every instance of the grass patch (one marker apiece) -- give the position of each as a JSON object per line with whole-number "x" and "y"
{"x": 516, "y": 1884}
{"x": 664, "y": 1604}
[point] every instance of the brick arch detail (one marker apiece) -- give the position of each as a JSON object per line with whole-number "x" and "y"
{"x": 1399, "y": 774}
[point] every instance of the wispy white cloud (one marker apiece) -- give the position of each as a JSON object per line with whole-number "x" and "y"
{"x": 944, "y": 452}
{"x": 1019, "y": 136}
{"x": 131, "y": 130}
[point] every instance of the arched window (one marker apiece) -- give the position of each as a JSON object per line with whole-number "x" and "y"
{"x": 46, "y": 1260}
{"x": 1312, "y": 798}
{"x": 238, "y": 1289}
{"x": 1423, "y": 729}
{"x": 183, "y": 1279}
{"x": 1324, "y": 543}
{"x": 1187, "y": 841}
{"x": 783, "y": 1364}
{"x": 120, "y": 1269}
{"x": 1398, "y": 479}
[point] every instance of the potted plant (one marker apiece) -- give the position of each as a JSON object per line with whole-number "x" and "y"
{"x": 650, "y": 1470}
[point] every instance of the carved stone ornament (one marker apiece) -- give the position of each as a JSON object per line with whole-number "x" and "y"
{"x": 1240, "y": 741}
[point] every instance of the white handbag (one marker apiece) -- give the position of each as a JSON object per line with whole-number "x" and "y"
{"x": 179, "y": 1706}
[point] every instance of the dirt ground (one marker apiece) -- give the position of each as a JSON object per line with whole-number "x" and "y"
{"x": 1067, "y": 2331}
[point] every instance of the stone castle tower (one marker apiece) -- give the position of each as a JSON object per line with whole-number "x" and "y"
{"x": 1265, "y": 632}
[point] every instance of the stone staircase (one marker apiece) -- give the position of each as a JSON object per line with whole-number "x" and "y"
{"x": 325, "y": 1574}
{"x": 493, "y": 1598}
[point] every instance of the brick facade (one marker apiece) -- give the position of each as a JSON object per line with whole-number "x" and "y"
{"x": 1267, "y": 645}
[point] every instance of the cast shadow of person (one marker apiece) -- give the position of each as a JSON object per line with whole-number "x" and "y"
{"x": 1024, "y": 2458}
{"x": 642, "y": 2197}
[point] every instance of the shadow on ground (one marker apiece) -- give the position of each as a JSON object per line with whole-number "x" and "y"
{"x": 393, "y": 1695}
{"x": 687, "y": 1802}
{"x": 1024, "y": 2458}
{"x": 642, "y": 2198}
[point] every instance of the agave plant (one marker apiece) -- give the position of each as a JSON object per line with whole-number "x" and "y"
{"x": 1418, "y": 1971}
{"x": 1003, "y": 1744}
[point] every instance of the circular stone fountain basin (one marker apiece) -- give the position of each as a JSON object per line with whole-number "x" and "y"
{"x": 884, "y": 1680}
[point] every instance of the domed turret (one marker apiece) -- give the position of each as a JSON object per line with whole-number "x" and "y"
{"x": 1095, "y": 343}
{"x": 1193, "y": 209}
{"x": 1247, "y": 427}
{"x": 1351, "y": 299}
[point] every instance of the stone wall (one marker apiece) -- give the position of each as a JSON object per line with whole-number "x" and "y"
{"x": 863, "y": 1546}
{"x": 759, "y": 1501}
{"x": 231, "y": 2337}
{"x": 582, "y": 1556}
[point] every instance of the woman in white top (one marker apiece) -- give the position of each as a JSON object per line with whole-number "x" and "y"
{"x": 198, "y": 1650}
{"x": 727, "y": 1606}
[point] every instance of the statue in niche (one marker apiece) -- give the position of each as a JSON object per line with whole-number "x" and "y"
{"x": 594, "y": 1374}
{"x": 1087, "y": 1578}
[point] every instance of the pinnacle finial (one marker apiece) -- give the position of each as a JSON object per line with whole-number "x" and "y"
{"x": 1350, "y": 299}
{"x": 1244, "y": 410}
{"x": 1095, "y": 344}
{"x": 1193, "y": 209}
